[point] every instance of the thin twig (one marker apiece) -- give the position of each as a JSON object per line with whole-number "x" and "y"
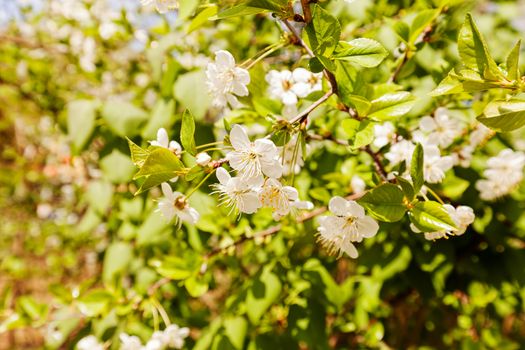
{"x": 304, "y": 114}
{"x": 306, "y": 10}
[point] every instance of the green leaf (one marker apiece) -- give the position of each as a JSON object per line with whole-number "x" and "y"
{"x": 364, "y": 134}
{"x": 123, "y": 118}
{"x": 235, "y": 328}
{"x": 116, "y": 260}
{"x": 416, "y": 168}
{"x": 81, "y": 116}
{"x": 402, "y": 30}
{"x": 504, "y": 116}
{"x": 346, "y": 76}
{"x": 196, "y": 285}
{"x": 385, "y": 202}
{"x": 431, "y": 216}
{"x": 176, "y": 268}
{"x": 117, "y": 167}
{"x": 187, "y": 8}
{"x": 474, "y": 51}
{"x": 449, "y": 85}
{"x": 95, "y": 302}
{"x": 407, "y": 187}
{"x": 185, "y": 89}
{"x": 265, "y": 289}
{"x": 323, "y": 32}
{"x": 364, "y": 52}
{"x": 239, "y": 10}
{"x": 391, "y": 105}
{"x": 99, "y": 195}
{"x": 421, "y": 22}
{"x": 512, "y": 61}
{"x": 202, "y": 17}
{"x": 138, "y": 154}
{"x": 187, "y": 133}
{"x": 159, "y": 161}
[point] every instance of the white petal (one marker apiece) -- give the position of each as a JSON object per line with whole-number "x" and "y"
{"x": 167, "y": 191}
{"x": 350, "y": 249}
{"x": 265, "y": 147}
{"x": 367, "y": 226}
{"x": 291, "y": 193}
{"x": 289, "y": 98}
{"x": 337, "y": 205}
{"x": 223, "y": 176}
{"x": 273, "y": 169}
{"x": 355, "y": 209}
{"x": 239, "y": 138}
{"x": 162, "y": 138}
{"x": 224, "y": 59}
{"x": 301, "y": 75}
{"x": 427, "y": 124}
{"x": 249, "y": 203}
{"x": 175, "y": 146}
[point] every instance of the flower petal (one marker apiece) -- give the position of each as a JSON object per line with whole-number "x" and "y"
{"x": 162, "y": 138}
{"x": 167, "y": 191}
{"x": 223, "y": 176}
{"x": 354, "y": 209}
{"x": 338, "y": 206}
{"x": 239, "y": 138}
{"x": 367, "y": 226}
{"x": 224, "y": 59}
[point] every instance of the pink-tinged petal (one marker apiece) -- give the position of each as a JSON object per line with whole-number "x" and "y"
{"x": 354, "y": 209}
{"x": 225, "y": 59}
{"x": 427, "y": 124}
{"x": 367, "y": 227}
{"x": 338, "y": 206}
{"x": 249, "y": 203}
{"x": 162, "y": 138}
{"x": 167, "y": 191}
{"x": 273, "y": 169}
{"x": 223, "y": 176}
{"x": 239, "y": 138}
{"x": 266, "y": 148}
{"x": 350, "y": 249}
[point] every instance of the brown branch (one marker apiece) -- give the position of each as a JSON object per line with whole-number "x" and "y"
{"x": 377, "y": 163}
{"x": 306, "y": 10}
{"x": 304, "y": 114}
{"x": 394, "y": 75}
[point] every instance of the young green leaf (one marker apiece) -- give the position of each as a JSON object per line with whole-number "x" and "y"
{"x": 391, "y": 105}
{"x": 504, "y": 116}
{"x": 160, "y": 161}
{"x": 407, "y": 187}
{"x": 138, "y": 154}
{"x": 450, "y": 85}
{"x": 513, "y": 71}
{"x": 364, "y": 52}
{"x": 431, "y": 216}
{"x": 187, "y": 133}
{"x": 421, "y": 22}
{"x": 474, "y": 52}
{"x": 385, "y": 202}
{"x": 416, "y": 168}
{"x": 81, "y": 115}
{"x": 323, "y": 32}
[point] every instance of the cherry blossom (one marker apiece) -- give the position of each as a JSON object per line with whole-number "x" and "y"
{"x": 175, "y": 205}
{"x": 349, "y": 224}
{"x": 238, "y": 193}
{"x": 281, "y": 198}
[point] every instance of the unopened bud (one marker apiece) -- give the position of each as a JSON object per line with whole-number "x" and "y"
{"x": 203, "y": 158}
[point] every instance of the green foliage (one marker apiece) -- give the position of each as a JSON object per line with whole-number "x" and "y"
{"x": 385, "y": 202}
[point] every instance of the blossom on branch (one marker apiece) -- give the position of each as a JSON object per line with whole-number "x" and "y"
{"x": 175, "y": 205}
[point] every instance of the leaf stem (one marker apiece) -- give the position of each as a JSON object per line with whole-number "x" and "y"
{"x": 199, "y": 184}
{"x": 433, "y": 193}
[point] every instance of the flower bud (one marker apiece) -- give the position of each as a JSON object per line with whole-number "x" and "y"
{"x": 203, "y": 158}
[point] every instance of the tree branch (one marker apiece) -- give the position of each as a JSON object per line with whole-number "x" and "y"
{"x": 304, "y": 114}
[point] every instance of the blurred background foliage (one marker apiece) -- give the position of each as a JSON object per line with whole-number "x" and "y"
{"x": 81, "y": 255}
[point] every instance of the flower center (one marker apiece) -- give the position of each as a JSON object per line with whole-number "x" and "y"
{"x": 287, "y": 85}
{"x": 180, "y": 203}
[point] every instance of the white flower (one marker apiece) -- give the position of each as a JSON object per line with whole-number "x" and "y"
{"x": 174, "y": 336}
{"x": 236, "y": 192}
{"x": 383, "y": 134}
{"x": 479, "y": 135}
{"x": 130, "y": 342}
{"x": 162, "y": 6}
{"x": 281, "y": 86}
{"x": 281, "y": 198}
{"x": 442, "y": 130}
{"x": 350, "y": 224}
{"x": 400, "y": 151}
{"x": 432, "y": 236}
{"x": 156, "y": 342}
{"x": 252, "y": 159}
{"x": 225, "y": 79}
{"x": 434, "y": 165}
{"x": 203, "y": 159}
{"x": 164, "y": 141}
{"x": 89, "y": 343}
{"x": 306, "y": 82}
{"x": 358, "y": 184}
{"x": 174, "y": 204}
{"x": 504, "y": 173}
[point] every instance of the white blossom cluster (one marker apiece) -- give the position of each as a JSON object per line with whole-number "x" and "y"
{"x": 256, "y": 183}
{"x": 288, "y": 86}
{"x": 462, "y": 216}
{"x": 503, "y": 174}
{"x": 162, "y": 6}
{"x": 226, "y": 81}
{"x": 172, "y": 337}
{"x": 349, "y": 224}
